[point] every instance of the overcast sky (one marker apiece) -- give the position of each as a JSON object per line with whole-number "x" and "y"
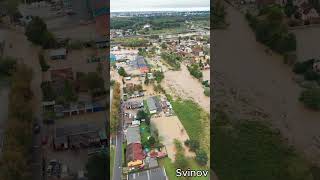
{"x": 130, "y": 5}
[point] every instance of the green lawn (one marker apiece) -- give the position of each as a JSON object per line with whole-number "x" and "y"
{"x": 145, "y": 133}
{"x": 195, "y": 120}
{"x": 112, "y": 156}
{"x": 171, "y": 169}
{"x": 251, "y": 150}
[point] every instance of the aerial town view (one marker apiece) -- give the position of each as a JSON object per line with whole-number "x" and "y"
{"x": 160, "y": 95}
{"x": 266, "y": 89}
{"x": 53, "y": 89}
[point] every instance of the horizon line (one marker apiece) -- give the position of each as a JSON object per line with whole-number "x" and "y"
{"x": 161, "y": 9}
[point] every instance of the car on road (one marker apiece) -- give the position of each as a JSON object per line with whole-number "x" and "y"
{"x": 36, "y": 128}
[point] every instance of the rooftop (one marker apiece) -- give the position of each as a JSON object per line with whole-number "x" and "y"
{"x": 133, "y": 135}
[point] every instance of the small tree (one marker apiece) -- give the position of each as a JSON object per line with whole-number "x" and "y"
{"x": 201, "y": 157}
{"x": 151, "y": 141}
{"x": 96, "y": 166}
{"x": 181, "y": 161}
{"x": 192, "y": 144}
{"x": 122, "y": 72}
{"x": 143, "y": 115}
{"x": 37, "y": 33}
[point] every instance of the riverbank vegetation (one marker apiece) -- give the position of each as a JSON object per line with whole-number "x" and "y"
{"x": 7, "y": 66}
{"x": 254, "y": 151}
{"x": 172, "y": 59}
{"x": 115, "y": 108}
{"x": 310, "y": 96}
{"x": 271, "y": 30}
{"x": 195, "y": 71}
{"x": 218, "y": 15}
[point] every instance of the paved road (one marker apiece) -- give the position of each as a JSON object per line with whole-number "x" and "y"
{"x": 117, "y": 168}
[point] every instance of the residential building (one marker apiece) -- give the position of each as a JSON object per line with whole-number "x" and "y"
{"x": 134, "y": 155}
{"x": 133, "y": 135}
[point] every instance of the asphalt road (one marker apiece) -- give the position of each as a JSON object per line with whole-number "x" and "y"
{"x": 117, "y": 168}
{"x": 37, "y": 173}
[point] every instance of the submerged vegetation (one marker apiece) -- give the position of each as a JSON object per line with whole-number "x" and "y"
{"x": 253, "y": 151}
{"x": 271, "y": 30}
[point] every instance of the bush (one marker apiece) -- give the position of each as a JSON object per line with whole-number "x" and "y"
{"x": 194, "y": 145}
{"x": 43, "y": 63}
{"x": 37, "y": 33}
{"x": 158, "y": 76}
{"x": 201, "y": 157}
{"x": 75, "y": 45}
{"x": 206, "y": 91}
{"x": 195, "y": 71}
{"x": 311, "y": 98}
{"x": 122, "y": 72}
{"x": 310, "y": 75}
{"x": 7, "y": 65}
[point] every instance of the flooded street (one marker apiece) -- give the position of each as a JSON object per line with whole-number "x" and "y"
{"x": 251, "y": 84}
{"x": 19, "y": 47}
{"x": 307, "y": 43}
{"x": 4, "y": 99}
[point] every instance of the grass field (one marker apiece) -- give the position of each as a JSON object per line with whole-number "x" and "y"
{"x": 112, "y": 156}
{"x": 251, "y": 150}
{"x": 171, "y": 169}
{"x": 195, "y": 120}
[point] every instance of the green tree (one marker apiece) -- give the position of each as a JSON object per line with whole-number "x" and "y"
{"x": 43, "y": 63}
{"x": 37, "y": 33}
{"x": 94, "y": 81}
{"x": 311, "y": 98}
{"x": 194, "y": 145}
{"x": 122, "y": 72}
{"x": 96, "y": 166}
{"x": 158, "y": 76}
{"x": 151, "y": 141}
{"x": 143, "y": 115}
{"x": 69, "y": 92}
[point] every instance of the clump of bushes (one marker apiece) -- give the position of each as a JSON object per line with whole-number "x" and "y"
{"x": 311, "y": 98}
{"x": 43, "y": 63}
{"x": 37, "y": 33}
{"x": 195, "y": 71}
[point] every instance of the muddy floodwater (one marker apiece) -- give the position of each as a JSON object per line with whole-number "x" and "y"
{"x": 252, "y": 84}
{"x": 308, "y": 43}
{"x": 4, "y": 93}
{"x": 182, "y": 84}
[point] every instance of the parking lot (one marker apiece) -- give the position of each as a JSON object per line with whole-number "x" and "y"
{"x": 75, "y": 160}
